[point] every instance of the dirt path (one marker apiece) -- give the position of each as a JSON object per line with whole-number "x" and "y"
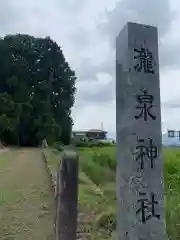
{"x": 26, "y": 200}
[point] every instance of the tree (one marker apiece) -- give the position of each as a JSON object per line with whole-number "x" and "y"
{"x": 37, "y": 88}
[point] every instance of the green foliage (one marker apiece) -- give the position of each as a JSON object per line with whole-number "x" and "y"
{"x": 89, "y": 143}
{"x": 107, "y": 220}
{"x": 96, "y": 172}
{"x": 104, "y": 160}
{"x": 79, "y": 143}
{"x": 105, "y": 210}
{"x": 37, "y": 90}
{"x": 98, "y": 165}
{"x": 59, "y": 146}
{"x": 97, "y": 196}
{"x": 172, "y": 192}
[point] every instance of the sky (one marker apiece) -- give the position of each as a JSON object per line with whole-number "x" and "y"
{"x": 86, "y": 30}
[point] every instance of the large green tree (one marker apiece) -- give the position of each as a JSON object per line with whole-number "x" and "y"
{"x": 37, "y": 88}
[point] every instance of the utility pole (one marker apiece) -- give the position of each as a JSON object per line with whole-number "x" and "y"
{"x": 102, "y": 127}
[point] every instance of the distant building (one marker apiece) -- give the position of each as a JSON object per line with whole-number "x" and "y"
{"x": 97, "y": 134}
{"x": 92, "y": 133}
{"x": 78, "y": 133}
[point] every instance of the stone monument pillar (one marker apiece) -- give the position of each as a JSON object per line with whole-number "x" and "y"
{"x": 140, "y": 181}
{"x": 44, "y": 143}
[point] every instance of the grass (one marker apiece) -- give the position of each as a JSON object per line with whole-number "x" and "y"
{"x": 97, "y": 190}
{"x": 5, "y": 159}
{"x": 172, "y": 192}
{"x": 97, "y": 198}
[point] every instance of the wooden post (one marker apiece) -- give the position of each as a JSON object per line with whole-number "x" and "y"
{"x": 67, "y": 197}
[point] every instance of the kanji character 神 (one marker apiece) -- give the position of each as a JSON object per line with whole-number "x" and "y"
{"x": 144, "y": 152}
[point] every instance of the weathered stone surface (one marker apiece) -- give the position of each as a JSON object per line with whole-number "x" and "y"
{"x": 139, "y": 145}
{"x": 44, "y": 143}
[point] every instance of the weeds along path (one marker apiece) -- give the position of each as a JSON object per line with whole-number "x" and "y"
{"x": 26, "y": 199}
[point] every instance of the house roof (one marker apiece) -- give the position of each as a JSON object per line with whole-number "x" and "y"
{"x": 91, "y": 130}
{"x": 96, "y": 130}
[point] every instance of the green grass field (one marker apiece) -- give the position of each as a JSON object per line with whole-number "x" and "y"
{"x": 97, "y": 198}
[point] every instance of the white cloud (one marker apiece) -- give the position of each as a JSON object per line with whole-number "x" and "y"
{"x": 92, "y": 115}
{"x": 86, "y": 31}
{"x": 169, "y": 85}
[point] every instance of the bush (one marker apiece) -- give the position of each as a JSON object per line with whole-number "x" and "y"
{"x": 89, "y": 143}
{"x": 77, "y": 142}
{"x": 107, "y": 144}
{"x": 59, "y": 146}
